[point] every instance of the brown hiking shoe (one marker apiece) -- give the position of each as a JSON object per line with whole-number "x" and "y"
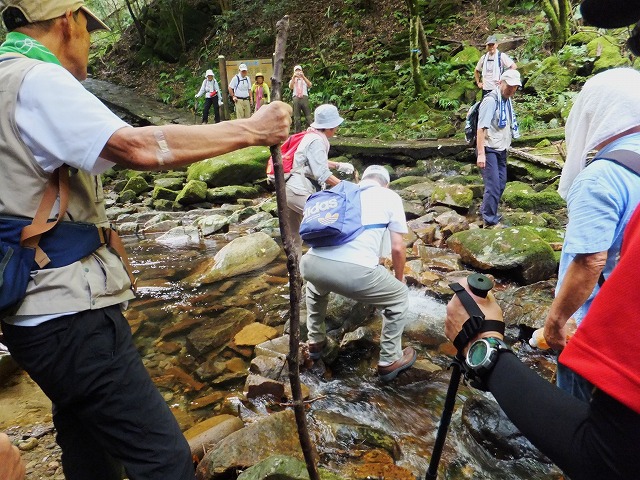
{"x": 315, "y": 349}
{"x": 389, "y": 372}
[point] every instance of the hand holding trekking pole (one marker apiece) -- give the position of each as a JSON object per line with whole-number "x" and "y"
{"x": 466, "y": 313}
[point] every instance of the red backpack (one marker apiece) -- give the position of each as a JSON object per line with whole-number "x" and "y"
{"x": 288, "y": 150}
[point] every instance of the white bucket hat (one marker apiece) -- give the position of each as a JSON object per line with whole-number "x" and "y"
{"x": 209, "y": 72}
{"x": 326, "y": 116}
{"x": 376, "y": 170}
{"x": 243, "y": 67}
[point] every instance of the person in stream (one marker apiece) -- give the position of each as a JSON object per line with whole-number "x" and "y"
{"x": 68, "y": 331}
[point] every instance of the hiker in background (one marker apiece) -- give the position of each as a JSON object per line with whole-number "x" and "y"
{"x": 300, "y": 85}
{"x": 68, "y": 331}
{"x": 491, "y": 66}
{"x": 311, "y": 167}
{"x": 211, "y": 91}
{"x": 601, "y": 198}
{"x": 240, "y": 92}
{"x": 353, "y": 270}
{"x": 260, "y": 93}
{"x": 11, "y": 464}
{"x": 497, "y": 125}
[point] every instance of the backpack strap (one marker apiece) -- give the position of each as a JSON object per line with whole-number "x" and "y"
{"x": 58, "y": 184}
{"x": 625, "y": 158}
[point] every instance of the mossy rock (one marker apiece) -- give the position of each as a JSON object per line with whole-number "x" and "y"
{"x": 550, "y": 78}
{"x": 516, "y": 219}
{"x": 549, "y": 235}
{"x": 127, "y": 196}
{"x": 171, "y": 183}
{"x": 373, "y": 114}
{"x": 417, "y": 109}
{"x": 160, "y": 193}
{"x": 404, "y": 182}
{"x": 515, "y": 251}
{"x": 522, "y": 196}
{"x": 283, "y": 467}
{"x": 235, "y": 168}
{"x": 137, "y": 184}
{"x": 164, "y": 205}
{"x": 466, "y": 57}
{"x": 609, "y": 54}
{"x": 195, "y": 191}
{"x": 453, "y": 196}
{"x": 446, "y": 131}
{"x": 526, "y": 171}
{"x": 230, "y": 193}
{"x": 463, "y": 91}
{"x": 582, "y": 37}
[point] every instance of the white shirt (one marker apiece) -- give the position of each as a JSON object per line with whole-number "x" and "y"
{"x": 240, "y": 85}
{"x": 379, "y": 205}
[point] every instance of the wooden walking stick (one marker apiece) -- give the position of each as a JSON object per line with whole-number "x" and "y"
{"x": 295, "y": 282}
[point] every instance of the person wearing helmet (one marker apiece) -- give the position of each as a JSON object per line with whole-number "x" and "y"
{"x": 240, "y": 92}
{"x": 260, "y": 93}
{"x": 211, "y": 91}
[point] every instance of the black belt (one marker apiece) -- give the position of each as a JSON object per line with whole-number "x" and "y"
{"x": 242, "y": 98}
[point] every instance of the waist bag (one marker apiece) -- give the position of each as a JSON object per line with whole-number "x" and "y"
{"x": 29, "y": 244}
{"x": 334, "y": 217}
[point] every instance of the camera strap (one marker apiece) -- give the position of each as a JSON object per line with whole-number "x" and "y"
{"x": 476, "y": 323}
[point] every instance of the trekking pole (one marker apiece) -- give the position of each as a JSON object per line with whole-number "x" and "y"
{"x": 295, "y": 281}
{"x": 480, "y": 286}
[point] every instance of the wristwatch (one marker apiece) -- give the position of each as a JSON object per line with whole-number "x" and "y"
{"x": 483, "y": 354}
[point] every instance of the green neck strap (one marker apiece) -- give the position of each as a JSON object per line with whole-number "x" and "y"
{"x": 24, "y": 45}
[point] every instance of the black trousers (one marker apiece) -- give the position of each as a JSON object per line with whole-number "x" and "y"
{"x": 588, "y": 441}
{"x": 107, "y": 412}
{"x": 208, "y": 102}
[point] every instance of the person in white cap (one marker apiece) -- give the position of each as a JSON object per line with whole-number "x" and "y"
{"x": 497, "y": 125}
{"x": 491, "y": 65}
{"x": 211, "y": 91}
{"x": 67, "y": 330}
{"x": 240, "y": 92}
{"x": 354, "y": 270}
{"x": 300, "y": 85}
{"x": 311, "y": 166}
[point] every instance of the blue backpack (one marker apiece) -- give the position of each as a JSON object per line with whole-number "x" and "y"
{"x": 334, "y": 217}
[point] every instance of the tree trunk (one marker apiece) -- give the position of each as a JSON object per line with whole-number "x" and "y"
{"x": 136, "y": 22}
{"x": 414, "y": 46}
{"x": 424, "y": 43}
{"x": 295, "y": 281}
{"x": 558, "y": 13}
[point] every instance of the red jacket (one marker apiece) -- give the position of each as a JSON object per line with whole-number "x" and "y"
{"x": 606, "y": 348}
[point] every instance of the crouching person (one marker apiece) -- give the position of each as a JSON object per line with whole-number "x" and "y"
{"x": 353, "y": 270}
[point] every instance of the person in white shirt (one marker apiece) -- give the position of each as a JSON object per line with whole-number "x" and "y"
{"x": 300, "y": 85}
{"x": 491, "y": 66}
{"x": 353, "y": 270}
{"x": 211, "y": 91}
{"x": 240, "y": 92}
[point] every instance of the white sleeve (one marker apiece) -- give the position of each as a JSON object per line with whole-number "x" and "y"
{"x": 398, "y": 221}
{"x": 61, "y": 122}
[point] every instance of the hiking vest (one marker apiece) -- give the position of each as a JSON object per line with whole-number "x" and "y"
{"x": 97, "y": 281}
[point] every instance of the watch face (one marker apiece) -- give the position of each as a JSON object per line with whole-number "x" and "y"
{"x": 477, "y": 353}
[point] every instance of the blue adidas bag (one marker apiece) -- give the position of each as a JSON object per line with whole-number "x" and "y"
{"x": 334, "y": 217}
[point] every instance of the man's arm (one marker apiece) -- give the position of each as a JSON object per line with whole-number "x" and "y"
{"x": 171, "y": 146}
{"x": 398, "y": 255}
{"x": 307, "y": 81}
{"x": 481, "y": 160}
{"x": 579, "y": 281}
{"x": 476, "y": 74}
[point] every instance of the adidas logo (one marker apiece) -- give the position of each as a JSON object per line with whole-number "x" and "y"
{"x": 320, "y": 207}
{"x": 328, "y": 219}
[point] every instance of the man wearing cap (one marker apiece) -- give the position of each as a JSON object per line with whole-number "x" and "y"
{"x": 240, "y": 91}
{"x": 211, "y": 91}
{"x": 353, "y": 270}
{"x": 68, "y": 331}
{"x": 311, "y": 167}
{"x": 497, "y": 125}
{"x": 491, "y": 65}
{"x": 300, "y": 85}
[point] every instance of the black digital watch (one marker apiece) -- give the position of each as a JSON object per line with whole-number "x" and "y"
{"x": 483, "y": 354}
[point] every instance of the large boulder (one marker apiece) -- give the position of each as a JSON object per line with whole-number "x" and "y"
{"x": 271, "y": 435}
{"x": 235, "y": 168}
{"x": 608, "y": 54}
{"x": 550, "y": 78}
{"x": 241, "y": 255}
{"x": 515, "y": 251}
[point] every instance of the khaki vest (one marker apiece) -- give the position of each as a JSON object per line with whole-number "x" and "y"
{"x": 97, "y": 281}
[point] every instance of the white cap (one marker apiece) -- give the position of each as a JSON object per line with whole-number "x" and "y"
{"x": 326, "y": 116}
{"x": 512, "y": 78}
{"x": 297, "y": 67}
{"x": 209, "y": 72}
{"x": 242, "y": 67}
{"x": 376, "y": 170}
